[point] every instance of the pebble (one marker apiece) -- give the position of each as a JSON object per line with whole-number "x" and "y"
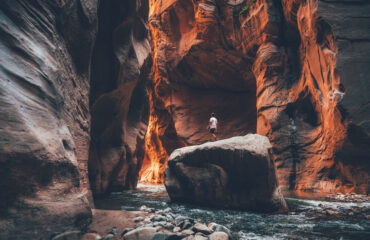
{"x": 218, "y": 236}
{"x": 158, "y": 218}
{"x": 219, "y": 228}
{"x": 91, "y": 236}
{"x": 108, "y": 236}
{"x": 176, "y": 229}
{"x": 198, "y": 227}
{"x": 144, "y": 233}
{"x": 138, "y": 219}
{"x": 187, "y": 232}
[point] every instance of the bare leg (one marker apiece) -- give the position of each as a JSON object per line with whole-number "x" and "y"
{"x": 214, "y": 137}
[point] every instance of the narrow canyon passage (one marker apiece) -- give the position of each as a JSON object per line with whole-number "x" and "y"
{"x": 95, "y": 96}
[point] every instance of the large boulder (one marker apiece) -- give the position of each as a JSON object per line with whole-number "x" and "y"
{"x": 233, "y": 173}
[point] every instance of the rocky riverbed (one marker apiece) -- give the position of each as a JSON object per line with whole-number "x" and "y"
{"x": 148, "y": 214}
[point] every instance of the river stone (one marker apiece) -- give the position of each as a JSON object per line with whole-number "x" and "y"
{"x": 200, "y": 237}
{"x": 158, "y": 218}
{"x": 238, "y": 172}
{"x": 218, "y": 228}
{"x": 218, "y": 236}
{"x": 138, "y": 219}
{"x": 176, "y": 229}
{"x": 165, "y": 236}
{"x": 187, "y": 232}
{"x": 144, "y": 233}
{"x": 198, "y": 227}
{"x": 91, "y": 236}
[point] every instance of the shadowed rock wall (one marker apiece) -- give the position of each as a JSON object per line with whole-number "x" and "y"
{"x": 300, "y": 63}
{"x": 45, "y": 51}
{"x": 118, "y": 96}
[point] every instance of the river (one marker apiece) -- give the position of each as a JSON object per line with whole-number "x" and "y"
{"x": 299, "y": 223}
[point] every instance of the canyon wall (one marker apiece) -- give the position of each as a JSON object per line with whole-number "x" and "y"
{"x": 292, "y": 70}
{"x": 118, "y": 97}
{"x": 57, "y": 70}
{"x": 45, "y": 50}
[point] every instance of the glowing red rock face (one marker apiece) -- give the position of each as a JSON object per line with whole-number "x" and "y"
{"x": 272, "y": 69}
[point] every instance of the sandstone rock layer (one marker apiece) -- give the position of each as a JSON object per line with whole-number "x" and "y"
{"x": 57, "y": 69}
{"x": 45, "y": 54}
{"x": 232, "y": 173}
{"x": 295, "y": 71}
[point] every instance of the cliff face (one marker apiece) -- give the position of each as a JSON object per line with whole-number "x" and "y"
{"x": 56, "y": 71}
{"x": 44, "y": 124}
{"x": 118, "y": 97}
{"x": 302, "y": 66}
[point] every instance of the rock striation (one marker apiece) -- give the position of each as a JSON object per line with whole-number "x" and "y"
{"x": 62, "y": 62}
{"x": 46, "y": 47}
{"x": 294, "y": 71}
{"x": 232, "y": 173}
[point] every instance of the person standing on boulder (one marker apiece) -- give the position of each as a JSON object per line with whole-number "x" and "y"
{"x": 213, "y": 126}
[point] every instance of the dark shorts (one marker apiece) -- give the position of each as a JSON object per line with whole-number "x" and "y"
{"x": 212, "y": 130}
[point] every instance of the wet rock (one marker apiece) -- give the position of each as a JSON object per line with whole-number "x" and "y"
{"x": 91, "y": 236}
{"x": 126, "y": 230}
{"x": 167, "y": 210}
{"x": 209, "y": 174}
{"x": 186, "y": 224}
{"x": 145, "y": 233}
{"x": 198, "y": 227}
{"x": 219, "y": 228}
{"x": 218, "y": 236}
{"x": 69, "y": 235}
{"x": 138, "y": 219}
{"x": 157, "y": 218}
{"x": 200, "y": 237}
{"x": 187, "y": 232}
{"x": 176, "y": 229}
{"x": 165, "y": 236}
{"x": 330, "y": 212}
{"x": 114, "y": 231}
{"x": 109, "y": 236}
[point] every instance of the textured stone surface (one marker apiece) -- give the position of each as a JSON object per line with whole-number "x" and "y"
{"x": 56, "y": 71}
{"x": 45, "y": 51}
{"x": 234, "y": 173}
{"x": 145, "y": 233}
{"x": 302, "y": 64}
{"x": 118, "y": 98}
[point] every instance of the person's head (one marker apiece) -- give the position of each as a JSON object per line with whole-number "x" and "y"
{"x": 213, "y": 114}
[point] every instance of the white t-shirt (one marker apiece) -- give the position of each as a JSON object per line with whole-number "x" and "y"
{"x": 213, "y": 122}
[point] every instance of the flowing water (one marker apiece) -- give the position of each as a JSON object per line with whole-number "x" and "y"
{"x": 297, "y": 224}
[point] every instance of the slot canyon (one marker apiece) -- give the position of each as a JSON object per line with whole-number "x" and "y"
{"x": 97, "y": 96}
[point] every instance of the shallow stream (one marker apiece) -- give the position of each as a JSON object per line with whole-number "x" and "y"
{"x": 299, "y": 223}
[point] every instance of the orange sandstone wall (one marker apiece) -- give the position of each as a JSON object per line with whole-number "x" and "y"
{"x": 287, "y": 69}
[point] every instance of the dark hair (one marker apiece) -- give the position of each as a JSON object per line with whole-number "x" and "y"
{"x": 213, "y": 114}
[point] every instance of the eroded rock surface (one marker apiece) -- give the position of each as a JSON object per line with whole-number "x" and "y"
{"x": 232, "y": 173}
{"x": 45, "y": 51}
{"x": 118, "y": 98}
{"x": 56, "y": 71}
{"x": 295, "y": 71}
